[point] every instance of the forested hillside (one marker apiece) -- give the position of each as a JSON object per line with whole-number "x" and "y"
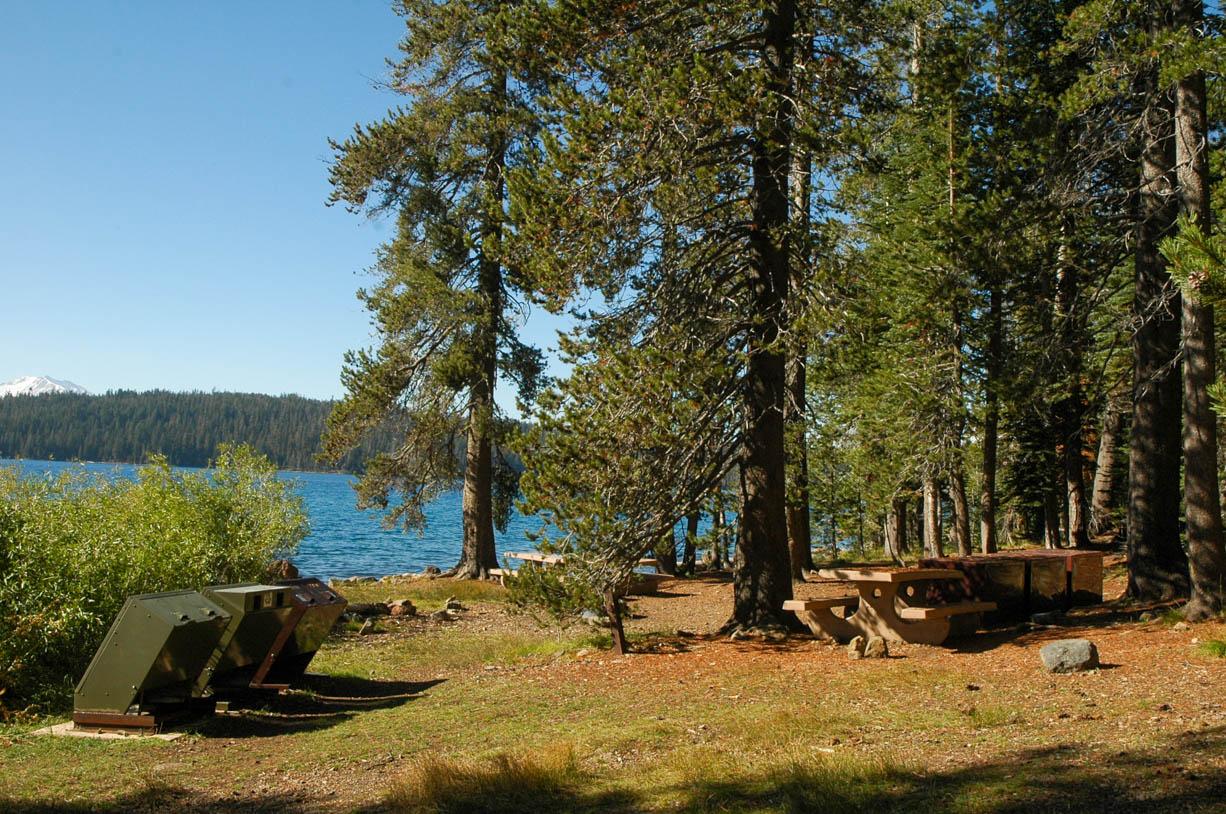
{"x": 186, "y": 427}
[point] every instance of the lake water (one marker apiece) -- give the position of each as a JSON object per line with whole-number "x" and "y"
{"x": 347, "y": 542}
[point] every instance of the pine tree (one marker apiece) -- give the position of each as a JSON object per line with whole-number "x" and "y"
{"x": 440, "y": 303}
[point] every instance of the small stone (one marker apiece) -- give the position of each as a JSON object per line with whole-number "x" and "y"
{"x": 453, "y": 604}
{"x": 1069, "y": 656}
{"x": 1181, "y": 626}
{"x": 876, "y": 648}
{"x": 855, "y": 648}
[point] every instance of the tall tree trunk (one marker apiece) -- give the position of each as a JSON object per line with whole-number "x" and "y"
{"x": 666, "y": 555}
{"x": 896, "y": 530}
{"x": 1102, "y": 519}
{"x": 960, "y": 532}
{"x": 478, "y": 554}
{"x": 1202, "y": 503}
{"x": 1051, "y": 518}
{"x": 991, "y": 423}
{"x": 762, "y": 581}
{"x": 932, "y": 518}
{"x": 800, "y": 543}
{"x": 1157, "y": 565}
{"x": 689, "y": 555}
{"x": 1072, "y": 407}
{"x": 717, "y": 541}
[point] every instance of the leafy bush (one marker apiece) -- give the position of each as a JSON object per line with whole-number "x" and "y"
{"x": 72, "y": 548}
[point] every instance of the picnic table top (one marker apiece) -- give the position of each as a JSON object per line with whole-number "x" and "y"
{"x": 554, "y": 559}
{"x": 534, "y": 556}
{"x": 889, "y": 575}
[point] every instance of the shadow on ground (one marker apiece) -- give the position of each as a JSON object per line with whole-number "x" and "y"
{"x": 324, "y": 701}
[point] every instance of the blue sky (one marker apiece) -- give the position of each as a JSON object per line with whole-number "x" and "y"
{"x": 162, "y": 217}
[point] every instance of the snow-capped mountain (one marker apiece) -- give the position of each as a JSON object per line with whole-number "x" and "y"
{"x": 37, "y": 386}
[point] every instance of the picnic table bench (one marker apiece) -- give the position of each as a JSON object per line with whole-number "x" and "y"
{"x": 880, "y": 607}
{"x": 1023, "y": 582}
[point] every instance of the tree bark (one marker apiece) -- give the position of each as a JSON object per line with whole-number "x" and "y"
{"x": 666, "y": 555}
{"x": 613, "y": 611}
{"x": 991, "y": 423}
{"x": 1157, "y": 565}
{"x": 1102, "y": 519}
{"x": 1051, "y": 519}
{"x": 932, "y": 518}
{"x": 896, "y": 530}
{"x": 478, "y": 553}
{"x": 800, "y": 542}
{"x": 960, "y": 532}
{"x": 717, "y": 542}
{"x": 762, "y": 580}
{"x": 1071, "y": 407}
{"x": 1202, "y": 502}
{"x": 689, "y": 555}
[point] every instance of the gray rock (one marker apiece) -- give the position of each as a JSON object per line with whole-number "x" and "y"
{"x": 591, "y": 617}
{"x": 876, "y": 648}
{"x": 1069, "y": 656}
{"x": 1180, "y": 626}
{"x": 855, "y": 648}
{"x": 453, "y": 604}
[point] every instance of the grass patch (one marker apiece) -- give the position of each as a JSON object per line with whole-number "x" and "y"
{"x": 549, "y": 780}
{"x": 1214, "y": 648}
{"x": 427, "y": 594}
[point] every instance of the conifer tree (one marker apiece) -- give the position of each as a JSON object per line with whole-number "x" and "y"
{"x": 442, "y": 294}
{"x": 666, "y": 186}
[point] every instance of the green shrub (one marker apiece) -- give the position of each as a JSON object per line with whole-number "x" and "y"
{"x": 72, "y": 548}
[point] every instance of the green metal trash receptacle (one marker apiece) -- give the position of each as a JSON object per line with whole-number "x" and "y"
{"x": 261, "y": 616}
{"x": 319, "y": 608}
{"x": 150, "y": 660}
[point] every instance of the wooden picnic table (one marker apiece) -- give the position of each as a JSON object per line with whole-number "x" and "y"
{"x": 1023, "y": 582}
{"x": 639, "y": 582}
{"x": 880, "y": 610}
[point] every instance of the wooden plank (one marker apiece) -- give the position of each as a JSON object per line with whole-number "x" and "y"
{"x": 944, "y": 611}
{"x": 819, "y": 604}
{"x": 893, "y": 576}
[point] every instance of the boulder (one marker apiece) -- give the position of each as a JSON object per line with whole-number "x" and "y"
{"x": 402, "y": 607}
{"x": 1069, "y": 656}
{"x": 855, "y": 648}
{"x": 876, "y": 648}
